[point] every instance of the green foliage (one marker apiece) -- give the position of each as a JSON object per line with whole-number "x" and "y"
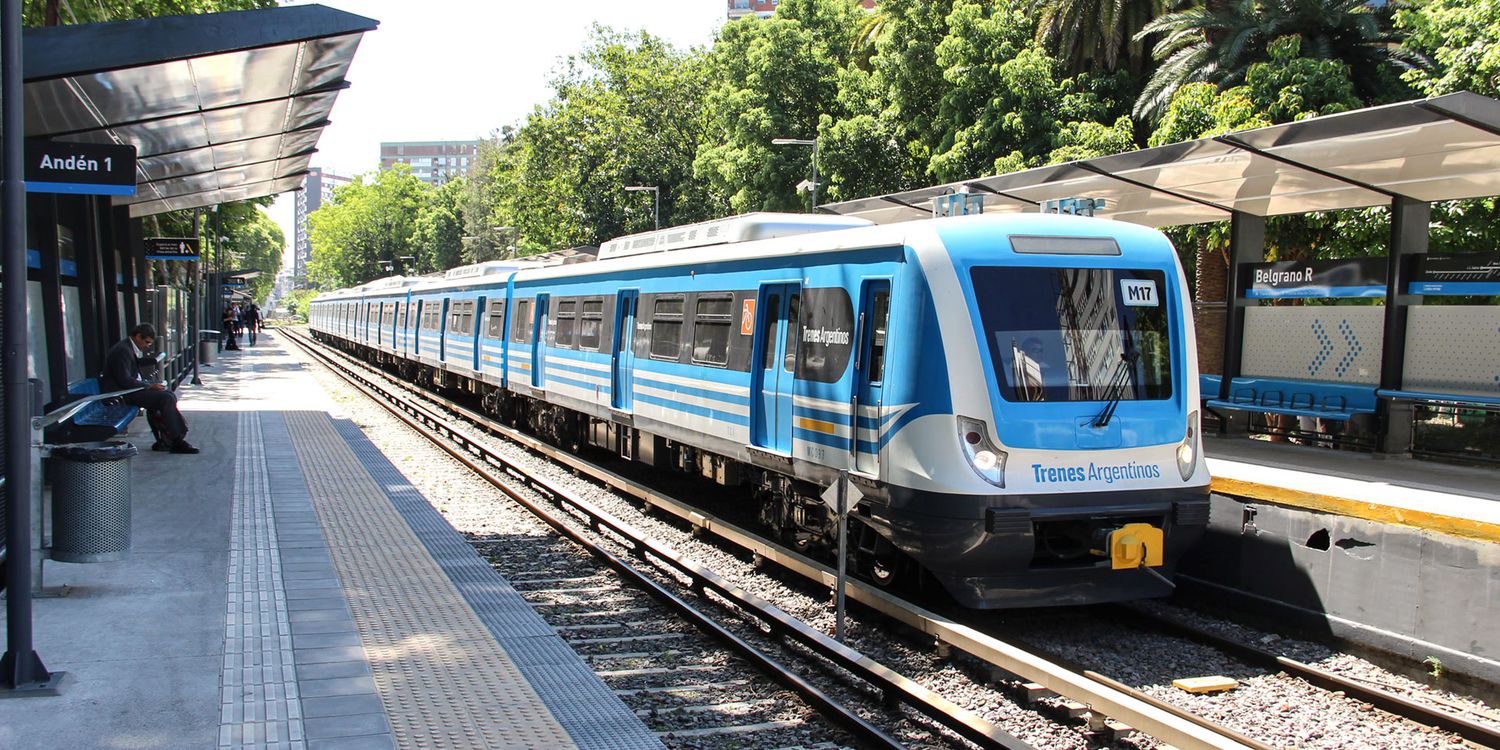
{"x": 438, "y": 236}
{"x": 627, "y": 110}
{"x": 370, "y": 220}
{"x": 772, "y": 78}
{"x": 1096, "y": 35}
{"x": 254, "y": 242}
{"x": 1219, "y": 42}
{"x": 296, "y": 303}
{"x": 34, "y": 12}
{"x": 1462, "y": 37}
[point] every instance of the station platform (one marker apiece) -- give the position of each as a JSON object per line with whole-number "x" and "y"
{"x": 1398, "y": 555}
{"x": 1459, "y": 500}
{"x": 288, "y": 588}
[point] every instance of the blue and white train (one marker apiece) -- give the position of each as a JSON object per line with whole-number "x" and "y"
{"x": 1014, "y": 397}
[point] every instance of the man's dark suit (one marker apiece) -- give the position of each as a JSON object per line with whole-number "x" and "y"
{"x": 122, "y": 371}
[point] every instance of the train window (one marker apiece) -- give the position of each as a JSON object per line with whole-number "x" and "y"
{"x": 496, "y": 319}
{"x": 793, "y": 333}
{"x": 768, "y": 331}
{"x": 567, "y": 314}
{"x": 466, "y": 317}
{"x": 824, "y": 342}
{"x": 666, "y": 328}
{"x": 456, "y": 318}
{"x": 880, "y": 312}
{"x": 1076, "y": 334}
{"x": 711, "y": 330}
{"x": 591, "y": 324}
{"x": 520, "y": 326}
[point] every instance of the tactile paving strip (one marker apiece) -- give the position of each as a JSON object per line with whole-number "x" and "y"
{"x": 443, "y": 677}
{"x": 258, "y": 697}
{"x": 592, "y": 714}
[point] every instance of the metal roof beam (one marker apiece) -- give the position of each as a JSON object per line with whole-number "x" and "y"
{"x": 1233, "y": 142}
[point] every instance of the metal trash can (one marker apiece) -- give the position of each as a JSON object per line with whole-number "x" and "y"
{"x": 208, "y": 347}
{"x": 91, "y": 501}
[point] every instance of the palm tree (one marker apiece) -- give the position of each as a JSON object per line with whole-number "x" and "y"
{"x": 1093, "y": 34}
{"x": 1219, "y": 42}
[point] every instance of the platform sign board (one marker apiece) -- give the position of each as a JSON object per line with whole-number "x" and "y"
{"x": 1354, "y": 277}
{"x": 79, "y": 168}
{"x": 234, "y": 282}
{"x": 1470, "y": 273}
{"x": 171, "y": 248}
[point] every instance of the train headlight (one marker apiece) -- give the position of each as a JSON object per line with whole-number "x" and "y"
{"x": 985, "y": 458}
{"x": 1187, "y": 452}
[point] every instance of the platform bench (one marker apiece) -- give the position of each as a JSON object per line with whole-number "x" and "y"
{"x": 1298, "y": 398}
{"x": 116, "y": 415}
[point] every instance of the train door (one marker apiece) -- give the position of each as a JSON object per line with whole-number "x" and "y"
{"x": 623, "y": 383}
{"x": 771, "y": 402}
{"x": 417, "y": 319}
{"x": 442, "y": 330}
{"x": 539, "y": 343}
{"x": 869, "y": 374}
{"x": 476, "y": 327}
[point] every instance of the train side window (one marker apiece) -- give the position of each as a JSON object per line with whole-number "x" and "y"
{"x": 793, "y": 331}
{"x": 468, "y": 317}
{"x": 455, "y": 317}
{"x": 768, "y": 331}
{"x": 880, "y": 313}
{"x": 591, "y": 324}
{"x": 666, "y": 328}
{"x": 520, "y": 329}
{"x": 567, "y": 321}
{"x": 496, "y": 319}
{"x": 711, "y": 329}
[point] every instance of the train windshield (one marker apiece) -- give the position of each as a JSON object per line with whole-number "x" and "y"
{"x": 1076, "y": 334}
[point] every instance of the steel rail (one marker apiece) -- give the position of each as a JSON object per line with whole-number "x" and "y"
{"x": 893, "y": 685}
{"x": 1385, "y": 700}
{"x": 1186, "y": 732}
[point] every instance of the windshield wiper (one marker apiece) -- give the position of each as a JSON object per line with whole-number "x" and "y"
{"x": 1116, "y": 389}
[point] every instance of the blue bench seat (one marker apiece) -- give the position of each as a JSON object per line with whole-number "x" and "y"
{"x": 1446, "y": 398}
{"x": 117, "y": 416}
{"x": 1299, "y": 398}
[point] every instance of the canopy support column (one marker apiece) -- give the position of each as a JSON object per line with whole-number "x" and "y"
{"x": 1247, "y": 244}
{"x": 1409, "y": 237}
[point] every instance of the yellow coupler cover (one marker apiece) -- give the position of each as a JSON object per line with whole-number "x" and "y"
{"x": 1205, "y": 684}
{"x": 1134, "y": 545}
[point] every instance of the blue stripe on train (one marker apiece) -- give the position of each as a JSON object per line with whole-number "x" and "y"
{"x": 688, "y": 390}
{"x": 702, "y": 411}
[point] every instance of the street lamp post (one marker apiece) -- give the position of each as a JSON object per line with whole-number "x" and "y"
{"x": 656, "y": 206}
{"x": 805, "y": 142}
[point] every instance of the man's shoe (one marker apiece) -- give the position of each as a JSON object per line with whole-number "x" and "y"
{"x": 161, "y": 446}
{"x": 183, "y": 446}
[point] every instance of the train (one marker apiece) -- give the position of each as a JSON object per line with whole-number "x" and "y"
{"x": 1012, "y": 399}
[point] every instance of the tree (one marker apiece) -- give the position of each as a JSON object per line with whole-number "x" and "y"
{"x": 370, "y": 220}
{"x": 49, "y": 12}
{"x": 1219, "y": 43}
{"x": 1461, "y": 38}
{"x": 438, "y": 235}
{"x": 772, "y": 78}
{"x": 627, "y": 110}
{"x": 1097, "y": 35}
{"x": 254, "y": 242}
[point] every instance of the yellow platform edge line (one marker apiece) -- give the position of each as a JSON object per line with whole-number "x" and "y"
{"x": 1461, "y": 527}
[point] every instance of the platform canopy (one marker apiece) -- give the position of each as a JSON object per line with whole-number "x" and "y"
{"x": 1444, "y": 148}
{"x": 220, "y": 107}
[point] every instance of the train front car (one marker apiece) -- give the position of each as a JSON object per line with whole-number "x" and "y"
{"x": 1069, "y": 469}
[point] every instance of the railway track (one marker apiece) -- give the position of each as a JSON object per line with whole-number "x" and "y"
{"x": 574, "y": 518}
{"x": 1109, "y": 705}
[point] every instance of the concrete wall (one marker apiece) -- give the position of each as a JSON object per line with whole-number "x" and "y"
{"x": 1407, "y": 591}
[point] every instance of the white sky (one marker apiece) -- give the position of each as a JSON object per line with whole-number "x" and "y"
{"x": 459, "y": 69}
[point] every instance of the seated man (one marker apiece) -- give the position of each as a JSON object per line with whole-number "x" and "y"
{"x": 122, "y": 370}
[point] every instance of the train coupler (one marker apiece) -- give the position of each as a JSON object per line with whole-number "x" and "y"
{"x": 1134, "y": 545}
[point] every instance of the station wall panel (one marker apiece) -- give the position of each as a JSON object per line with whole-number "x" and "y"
{"x": 73, "y": 334}
{"x": 36, "y": 337}
{"x": 1453, "y": 349}
{"x": 1334, "y": 343}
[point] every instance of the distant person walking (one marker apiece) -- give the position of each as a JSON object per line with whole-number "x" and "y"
{"x": 251, "y": 319}
{"x": 229, "y": 325}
